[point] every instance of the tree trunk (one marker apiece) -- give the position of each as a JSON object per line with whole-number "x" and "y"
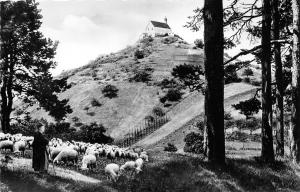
{"x": 295, "y": 119}
{"x": 1, "y": 43}
{"x": 214, "y": 74}
{"x": 279, "y": 81}
{"x": 267, "y": 152}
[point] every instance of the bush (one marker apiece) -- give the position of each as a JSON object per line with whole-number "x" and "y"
{"x": 95, "y": 103}
{"x": 143, "y": 75}
{"x": 193, "y": 143}
{"x": 230, "y": 75}
{"x": 199, "y": 43}
{"x": 158, "y": 111}
{"x": 169, "y": 40}
{"x": 248, "y": 107}
{"x": 246, "y": 80}
{"x": 227, "y": 116}
{"x": 248, "y": 72}
{"x": 110, "y": 91}
{"x": 163, "y": 99}
{"x": 200, "y": 125}
{"x": 173, "y": 95}
{"x": 147, "y": 40}
{"x": 256, "y": 83}
{"x": 170, "y": 148}
{"x": 166, "y": 84}
{"x": 26, "y": 127}
{"x": 93, "y": 133}
{"x": 139, "y": 54}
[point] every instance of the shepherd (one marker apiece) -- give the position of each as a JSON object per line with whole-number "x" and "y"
{"x": 40, "y": 157}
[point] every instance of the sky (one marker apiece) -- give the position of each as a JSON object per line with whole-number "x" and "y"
{"x": 86, "y": 29}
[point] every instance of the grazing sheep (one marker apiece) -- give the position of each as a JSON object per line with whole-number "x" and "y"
{"x": 67, "y": 155}
{"x": 139, "y": 164}
{"x": 129, "y": 165}
{"x": 19, "y": 147}
{"x": 112, "y": 170}
{"x": 111, "y": 155}
{"x": 144, "y": 156}
{"x": 88, "y": 161}
{"x": 6, "y": 144}
{"x": 54, "y": 151}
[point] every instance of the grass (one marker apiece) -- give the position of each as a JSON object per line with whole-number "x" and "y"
{"x": 182, "y": 173}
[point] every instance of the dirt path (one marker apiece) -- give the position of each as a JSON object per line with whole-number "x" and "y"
{"x": 25, "y": 164}
{"x": 184, "y": 116}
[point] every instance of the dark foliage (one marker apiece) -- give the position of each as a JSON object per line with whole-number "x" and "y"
{"x": 158, "y": 111}
{"x": 139, "y": 54}
{"x": 142, "y": 75}
{"x": 173, "y": 95}
{"x": 199, "y": 43}
{"x": 230, "y": 75}
{"x": 95, "y": 103}
{"x": 248, "y": 72}
{"x": 170, "y": 148}
{"x": 193, "y": 143}
{"x": 190, "y": 76}
{"x": 248, "y": 107}
{"x": 110, "y": 91}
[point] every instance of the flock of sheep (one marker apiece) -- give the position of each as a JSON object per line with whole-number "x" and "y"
{"x": 68, "y": 152}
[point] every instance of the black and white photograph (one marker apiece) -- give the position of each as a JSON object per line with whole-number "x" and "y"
{"x": 149, "y": 95}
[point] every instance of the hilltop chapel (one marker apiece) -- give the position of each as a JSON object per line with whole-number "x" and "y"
{"x": 155, "y": 28}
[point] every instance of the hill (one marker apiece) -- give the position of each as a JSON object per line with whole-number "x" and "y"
{"x": 135, "y": 100}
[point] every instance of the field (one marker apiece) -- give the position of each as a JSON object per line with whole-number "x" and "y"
{"x": 171, "y": 172}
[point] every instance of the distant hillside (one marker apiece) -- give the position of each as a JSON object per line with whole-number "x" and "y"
{"x": 135, "y": 100}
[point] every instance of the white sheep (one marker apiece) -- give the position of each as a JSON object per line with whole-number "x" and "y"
{"x": 112, "y": 170}
{"x": 144, "y": 156}
{"x": 66, "y": 155}
{"x": 54, "y": 151}
{"x": 88, "y": 161}
{"x": 129, "y": 165}
{"x": 6, "y": 144}
{"x": 139, "y": 164}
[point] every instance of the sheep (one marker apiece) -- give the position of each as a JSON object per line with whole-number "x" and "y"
{"x": 111, "y": 155}
{"x": 6, "y": 144}
{"x": 144, "y": 156}
{"x": 88, "y": 161}
{"x": 67, "y": 155}
{"x": 19, "y": 147}
{"x": 139, "y": 164}
{"x": 129, "y": 165}
{"x": 112, "y": 170}
{"x": 54, "y": 151}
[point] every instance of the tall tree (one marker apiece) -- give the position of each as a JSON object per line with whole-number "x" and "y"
{"x": 267, "y": 151}
{"x": 279, "y": 80}
{"x": 214, "y": 75}
{"x": 27, "y": 56}
{"x": 295, "y": 119}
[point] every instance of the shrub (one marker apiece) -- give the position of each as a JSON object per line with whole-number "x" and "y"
{"x": 193, "y": 143}
{"x": 246, "y": 80}
{"x": 93, "y": 133}
{"x": 95, "y": 103}
{"x": 248, "y": 72}
{"x": 110, "y": 91}
{"x": 143, "y": 75}
{"x": 200, "y": 125}
{"x": 227, "y": 116}
{"x": 26, "y": 127}
{"x": 163, "y": 99}
{"x": 139, "y": 54}
{"x": 256, "y": 83}
{"x": 248, "y": 107}
{"x": 230, "y": 75}
{"x": 199, "y": 43}
{"x": 169, "y": 40}
{"x": 173, "y": 95}
{"x": 147, "y": 40}
{"x": 229, "y": 123}
{"x": 158, "y": 111}
{"x": 166, "y": 83}
{"x": 170, "y": 148}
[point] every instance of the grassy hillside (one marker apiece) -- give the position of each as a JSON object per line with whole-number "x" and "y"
{"x": 135, "y": 100}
